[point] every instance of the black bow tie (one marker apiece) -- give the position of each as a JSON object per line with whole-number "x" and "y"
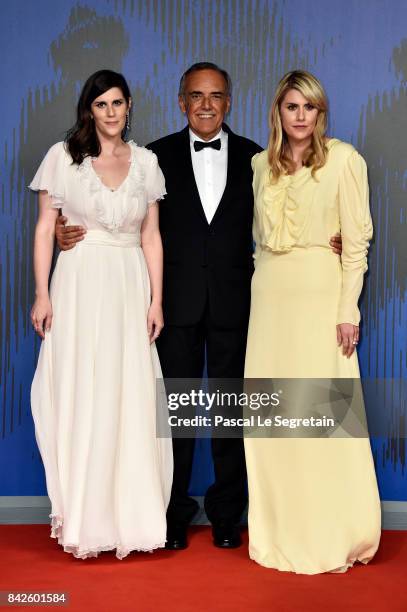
{"x": 213, "y": 144}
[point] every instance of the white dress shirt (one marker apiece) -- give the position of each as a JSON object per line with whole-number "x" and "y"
{"x": 210, "y": 170}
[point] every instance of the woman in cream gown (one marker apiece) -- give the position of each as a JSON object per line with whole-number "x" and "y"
{"x": 313, "y": 503}
{"x": 94, "y": 399}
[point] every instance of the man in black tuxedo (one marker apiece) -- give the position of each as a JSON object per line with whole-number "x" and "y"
{"x": 206, "y": 229}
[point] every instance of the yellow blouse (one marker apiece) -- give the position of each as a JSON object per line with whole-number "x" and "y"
{"x": 300, "y": 211}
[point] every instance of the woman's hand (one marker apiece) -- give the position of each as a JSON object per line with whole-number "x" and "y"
{"x": 348, "y": 337}
{"x": 155, "y": 321}
{"x": 41, "y": 315}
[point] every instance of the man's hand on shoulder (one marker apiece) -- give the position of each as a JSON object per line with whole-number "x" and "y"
{"x": 68, "y": 235}
{"x": 336, "y": 244}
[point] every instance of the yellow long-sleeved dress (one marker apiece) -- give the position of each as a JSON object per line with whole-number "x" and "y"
{"x": 313, "y": 503}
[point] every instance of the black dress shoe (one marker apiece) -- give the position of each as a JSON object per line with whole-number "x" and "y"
{"x": 226, "y": 535}
{"x": 176, "y": 537}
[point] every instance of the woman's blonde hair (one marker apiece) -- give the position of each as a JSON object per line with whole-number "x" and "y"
{"x": 315, "y": 156}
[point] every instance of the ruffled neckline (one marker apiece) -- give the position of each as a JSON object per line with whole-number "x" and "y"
{"x": 285, "y": 217}
{"x": 87, "y": 167}
{"x": 130, "y": 160}
{"x": 113, "y": 207}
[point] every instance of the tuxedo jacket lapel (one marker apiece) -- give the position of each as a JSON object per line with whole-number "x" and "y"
{"x": 184, "y": 166}
{"x": 232, "y": 174}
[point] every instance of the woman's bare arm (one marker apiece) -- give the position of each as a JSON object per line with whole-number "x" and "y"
{"x": 41, "y": 312}
{"x": 153, "y": 253}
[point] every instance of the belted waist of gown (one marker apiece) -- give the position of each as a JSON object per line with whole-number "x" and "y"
{"x": 117, "y": 239}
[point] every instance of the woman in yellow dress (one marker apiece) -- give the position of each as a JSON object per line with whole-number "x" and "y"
{"x": 313, "y": 503}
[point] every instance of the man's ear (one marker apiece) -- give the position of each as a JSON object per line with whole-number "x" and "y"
{"x": 181, "y": 103}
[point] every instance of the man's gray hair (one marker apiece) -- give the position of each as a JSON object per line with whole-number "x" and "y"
{"x": 205, "y": 66}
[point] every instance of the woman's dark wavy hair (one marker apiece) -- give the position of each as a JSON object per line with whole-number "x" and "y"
{"x": 81, "y": 139}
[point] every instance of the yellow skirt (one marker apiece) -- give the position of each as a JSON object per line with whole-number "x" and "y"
{"x": 313, "y": 503}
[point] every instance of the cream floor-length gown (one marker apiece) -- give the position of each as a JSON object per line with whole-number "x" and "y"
{"x": 94, "y": 391}
{"x": 313, "y": 503}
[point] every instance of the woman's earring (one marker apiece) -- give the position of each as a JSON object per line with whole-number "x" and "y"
{"x": 127, "y": 122}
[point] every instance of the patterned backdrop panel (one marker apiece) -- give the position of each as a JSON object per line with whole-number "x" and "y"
{"x": 358, "y": 48}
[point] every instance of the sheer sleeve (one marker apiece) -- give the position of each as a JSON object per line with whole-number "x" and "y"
{"x": 50, "y": 176}
{"x": 155, "y": 182}
{"x": 357, "y": 231}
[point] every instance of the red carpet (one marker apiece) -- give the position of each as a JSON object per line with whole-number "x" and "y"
{"x": 200, "y": 579}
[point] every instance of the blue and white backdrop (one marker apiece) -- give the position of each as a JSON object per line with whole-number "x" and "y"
{"x": 358, "y": 48}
